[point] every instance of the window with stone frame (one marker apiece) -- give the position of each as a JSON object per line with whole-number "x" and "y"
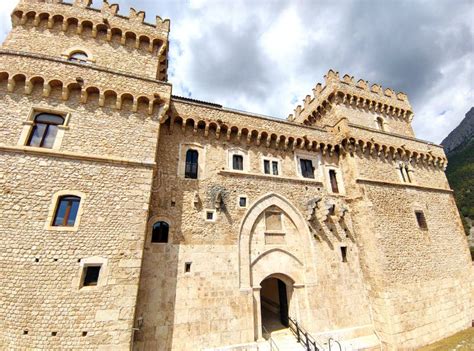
{"x": 44, "y": 130}
{"x": 192, "y": 164}
{"x": 333, "y": 181}
{"x": 237, "y": 162}
{"x": 421, "y": 220}
{"x": 79, "y": 56}
{"x": 160, "y": 232}
{"x": 307, "y": 168}
{"x": 91, "y": 275}
{"x": 66, "y": 211}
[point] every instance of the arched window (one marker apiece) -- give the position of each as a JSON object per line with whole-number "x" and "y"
{"x": 379, "y": 121}
{"x": 79, "y": 56}
{"x": 191, "y": 168}
{"x": 160, "y": 232}
{"x": 44, "y": 130}
{"x": 66, "y": 211}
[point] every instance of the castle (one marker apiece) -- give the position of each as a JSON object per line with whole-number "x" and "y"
{"x": 133, "y": 219}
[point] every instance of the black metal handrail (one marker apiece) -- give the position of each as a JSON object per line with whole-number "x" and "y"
{"x": 303, "y": 336}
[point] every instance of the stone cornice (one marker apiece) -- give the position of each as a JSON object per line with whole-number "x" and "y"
{"x": 76, "y": 156}
{"x": 403, "y": 185}
{"x": 153, "y": 104}
{"x": 314, "y": 182}
{"x": 93, "y": 67}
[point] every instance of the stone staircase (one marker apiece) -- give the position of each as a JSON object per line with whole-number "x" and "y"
{"x": 284, "y": 340}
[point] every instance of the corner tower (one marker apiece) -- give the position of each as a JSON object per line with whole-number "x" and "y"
{"x": 103, "y": 37}
{"x": 82, "y": 95}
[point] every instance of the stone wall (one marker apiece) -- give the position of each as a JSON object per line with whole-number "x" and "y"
{"x": 209, "y": 302}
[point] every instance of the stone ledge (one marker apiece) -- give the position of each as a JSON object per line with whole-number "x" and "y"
{"x": 402, "y": 185}
{"x": 92, "y": 67}
{"x": 270, "y": 177}
{"x": 75, "y": 156}
{"x": 358, "y": 126}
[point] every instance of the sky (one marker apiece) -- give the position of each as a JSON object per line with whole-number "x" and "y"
{"x": 265, "y": 56}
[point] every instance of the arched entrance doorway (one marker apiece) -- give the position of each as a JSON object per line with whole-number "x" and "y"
{"x": 275, "y": 297}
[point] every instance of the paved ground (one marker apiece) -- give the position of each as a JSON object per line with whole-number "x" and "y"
{"x": 462, "y": 341}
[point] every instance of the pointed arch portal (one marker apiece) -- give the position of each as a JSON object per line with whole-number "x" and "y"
{"x": 276, "y": 276}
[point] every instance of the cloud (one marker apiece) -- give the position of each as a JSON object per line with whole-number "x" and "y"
{"x": 265, "y": 56}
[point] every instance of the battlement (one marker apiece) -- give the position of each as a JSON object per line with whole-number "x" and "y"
{"x": 356, "y": 94}
{"x": 142, "y": 47}
{"x": 135, "y": 18}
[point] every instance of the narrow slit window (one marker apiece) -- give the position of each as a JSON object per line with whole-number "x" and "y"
{"x": 307, "y": 169}
{"x": 266, "y": 166}
{"x": 160, "y": 232}
{"x": 45, "y": 128}
{"x": 344, "y": 253}
{"x": 191, "y": 167}
{"x": 91, "y": 275}
{"x": 238, "y": 162}
{"x": 407, "y": 171}
{"x": 380, "y": 123}
{"x": 402, "y": 173}
{"x": 66, "y": 211}
{"x": 420, "y": 218}
{"x": 333, "y": 180}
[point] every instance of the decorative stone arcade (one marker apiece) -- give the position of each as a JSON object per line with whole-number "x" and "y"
{"x": 275, "y": 248}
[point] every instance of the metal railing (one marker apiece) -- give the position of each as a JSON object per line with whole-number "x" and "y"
{"x": 303, "y": 337}
{"x": 273, "y": 345}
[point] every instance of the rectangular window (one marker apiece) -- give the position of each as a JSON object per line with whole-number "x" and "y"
{"x": 420, "y": 218}
{"x": 243, "y": 201}
{"x": 91, "y": 275}
{"x": 238, "y": 162}
{"x": 191, "y": 166}
{"x": 187, "y": 267}
{"x": 333, "y": 179}
{"x": 210, "y": 215}
{"x": 66, "y": 211}
{"x": 307, "y": 170}
{"x": 344, "y": 253}
{"x": 275, "y": 167}
{"x": 266, "y": 166}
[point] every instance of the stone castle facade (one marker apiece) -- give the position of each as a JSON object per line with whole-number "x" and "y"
{"x": 135, "y": 219}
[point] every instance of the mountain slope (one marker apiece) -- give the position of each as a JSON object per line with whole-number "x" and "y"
{"x": 459, "y": 147}
{"x": 461, "y": 134}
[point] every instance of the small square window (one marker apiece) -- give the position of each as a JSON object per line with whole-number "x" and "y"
{"x": 91, "y": 275}
{"x": 210, "y": 215}
{"x": 420, "y": 218}
{"x": 242, "y": 201}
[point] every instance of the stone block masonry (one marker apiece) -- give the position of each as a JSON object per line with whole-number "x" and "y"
{"x": 195, "y": 222}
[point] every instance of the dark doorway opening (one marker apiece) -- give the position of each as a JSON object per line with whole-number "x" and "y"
{"x": 274, "y": 305}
